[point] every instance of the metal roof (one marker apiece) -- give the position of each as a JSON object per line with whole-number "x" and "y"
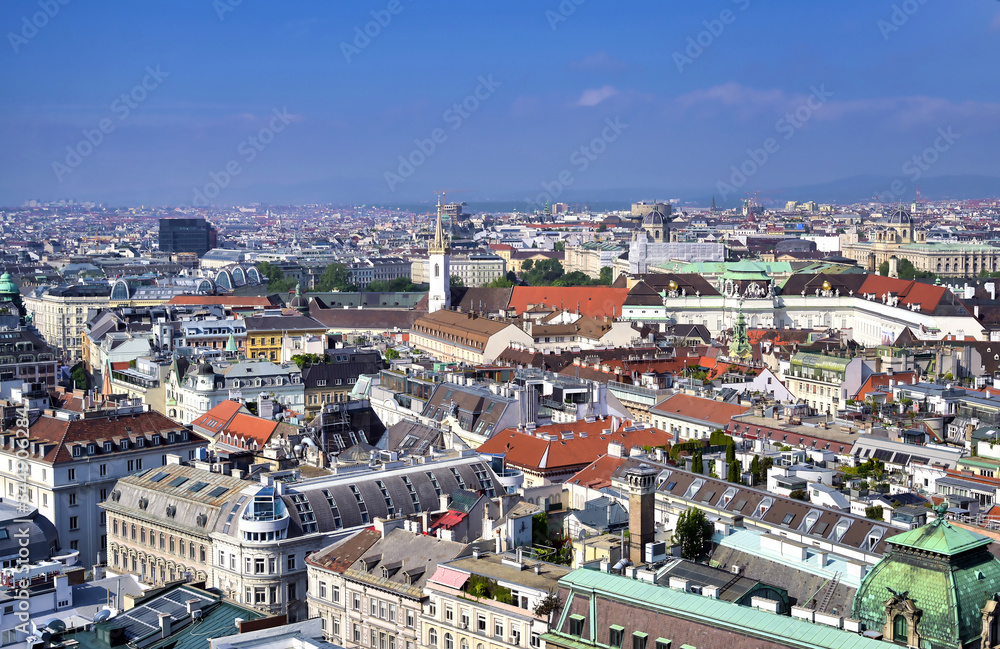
{"x": 788, "y": 631}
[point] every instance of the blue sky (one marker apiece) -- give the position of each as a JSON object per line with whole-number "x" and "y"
{"x": 554, "y": 78}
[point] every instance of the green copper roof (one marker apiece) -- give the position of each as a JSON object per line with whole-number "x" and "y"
{"x": 947, "y": 572}
{"x": 940, "y": 537}
{"x": 7, "y": 285}
{"x": 789, "y": 631}
{"x": 231, "y": 344}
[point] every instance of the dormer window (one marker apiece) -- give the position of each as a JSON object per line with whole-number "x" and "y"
{"x": 124, "y": 444}
{"x": 77, "y": 451}
{"x": 91, "y": 449}
{"x": 140, "y": 442}
{"x": 170, "y": 437}
{"x": 155, "y": 440}
{"x": 109, "y": 447}
{"x": 184, "y": 436}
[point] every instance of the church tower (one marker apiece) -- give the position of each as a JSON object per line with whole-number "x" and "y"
{"x": 440, "y": 266}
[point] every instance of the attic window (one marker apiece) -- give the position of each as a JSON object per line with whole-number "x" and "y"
{"x": 109, "y": 447}
{"x": 77, "y": 451}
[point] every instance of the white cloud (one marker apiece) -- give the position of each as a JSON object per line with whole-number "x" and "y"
{"x": 594, "y": 96}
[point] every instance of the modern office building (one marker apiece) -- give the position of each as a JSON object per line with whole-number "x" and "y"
{"x": 187, "y": 235}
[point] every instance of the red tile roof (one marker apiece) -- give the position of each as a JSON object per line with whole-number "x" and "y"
{"x": 708, "y": 410}
{"x": 909, "y": 291}
{"x": 876, "y": 383}
{"x": 548, "y": 449}
{"x": 597, "y": 474}
{"x": 227, "y": 424}
{"x": 59, "y": 436}
{"x": 216, "y": 419}
{"x": 792, "y": 438}
{"x": 593, "y": 301}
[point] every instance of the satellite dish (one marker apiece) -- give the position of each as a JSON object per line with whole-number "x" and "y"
{"x": 102, "y": 615}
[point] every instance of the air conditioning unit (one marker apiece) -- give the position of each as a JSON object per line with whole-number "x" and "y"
{"x": 196, "y": 614}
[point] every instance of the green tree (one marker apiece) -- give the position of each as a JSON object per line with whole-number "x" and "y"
{"x": 79, "y": 377}
{"x": 539, "y": 529}
{"x": 576, "y": 278}
{"x": 559, "y": 246}
{"x": 395, "y": 285}
{"x": 391, "y": 354}
{"x": 276, "y": 280}
{"x": 692, "y": 533}
{"x": 799, "y": 494}
{"x": 456, "y": 281}
{"x": 607, "y": 277}
{"x": 602, "y": 228}
{"x": 548, "y": 604}
{"x": 697, "y": 464}
{"x": 734, "y": 472}
{"x": 500, "y": 282}
{"x": 543, "y": 273}
{"x": 335, "y": 277}
{"x": 730, "y": 453}
{"x": 874, "y": 512}
{"x": 308, "y": 360}
{"x": 527, "y": 265}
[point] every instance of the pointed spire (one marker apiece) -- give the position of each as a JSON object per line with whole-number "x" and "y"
{"x": 441, "y": 244}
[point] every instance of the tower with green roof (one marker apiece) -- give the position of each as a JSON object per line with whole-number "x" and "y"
{"x": 935, "y": 588}
{"x": 10, "y": 293}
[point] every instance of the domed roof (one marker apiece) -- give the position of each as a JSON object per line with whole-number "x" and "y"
{"x": 654, "y": 218}
{"x": 299, "y": 301}
{"x": 205, "y": 369}
{"x": 899, "y": 216}
{"x": 945, "y": 571}
{"x": 7, "y": 285}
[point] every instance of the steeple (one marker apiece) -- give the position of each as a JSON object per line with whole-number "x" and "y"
{"x": 740, "y": 347}
{"x": 439, "y": 260}
{"x": 441, "y": 244}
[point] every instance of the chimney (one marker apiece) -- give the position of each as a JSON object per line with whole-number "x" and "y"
{"x": 192, "y": 605}
{"x": 165, "y": 624}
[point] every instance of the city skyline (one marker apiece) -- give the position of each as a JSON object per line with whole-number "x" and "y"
{"x": 225, "y": 102}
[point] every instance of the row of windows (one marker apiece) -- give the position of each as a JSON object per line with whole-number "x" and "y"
{"x": 258, "y": 565}
{"x": 176, "y": 545}
{"x": 264, "y": 595}
{"x": 449, "y": 640}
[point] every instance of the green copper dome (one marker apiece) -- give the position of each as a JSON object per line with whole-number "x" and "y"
{"x": 930, "y": 588}
{"x": 7, "y": 285}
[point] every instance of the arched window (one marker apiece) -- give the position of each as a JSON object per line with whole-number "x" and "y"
{"x": 900, "y": 632}
{"x": 437, "y": 270}
{"x": 432, "y": 637}
{"x": 465, "y": 643}
{"x": 449, "y": 641}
